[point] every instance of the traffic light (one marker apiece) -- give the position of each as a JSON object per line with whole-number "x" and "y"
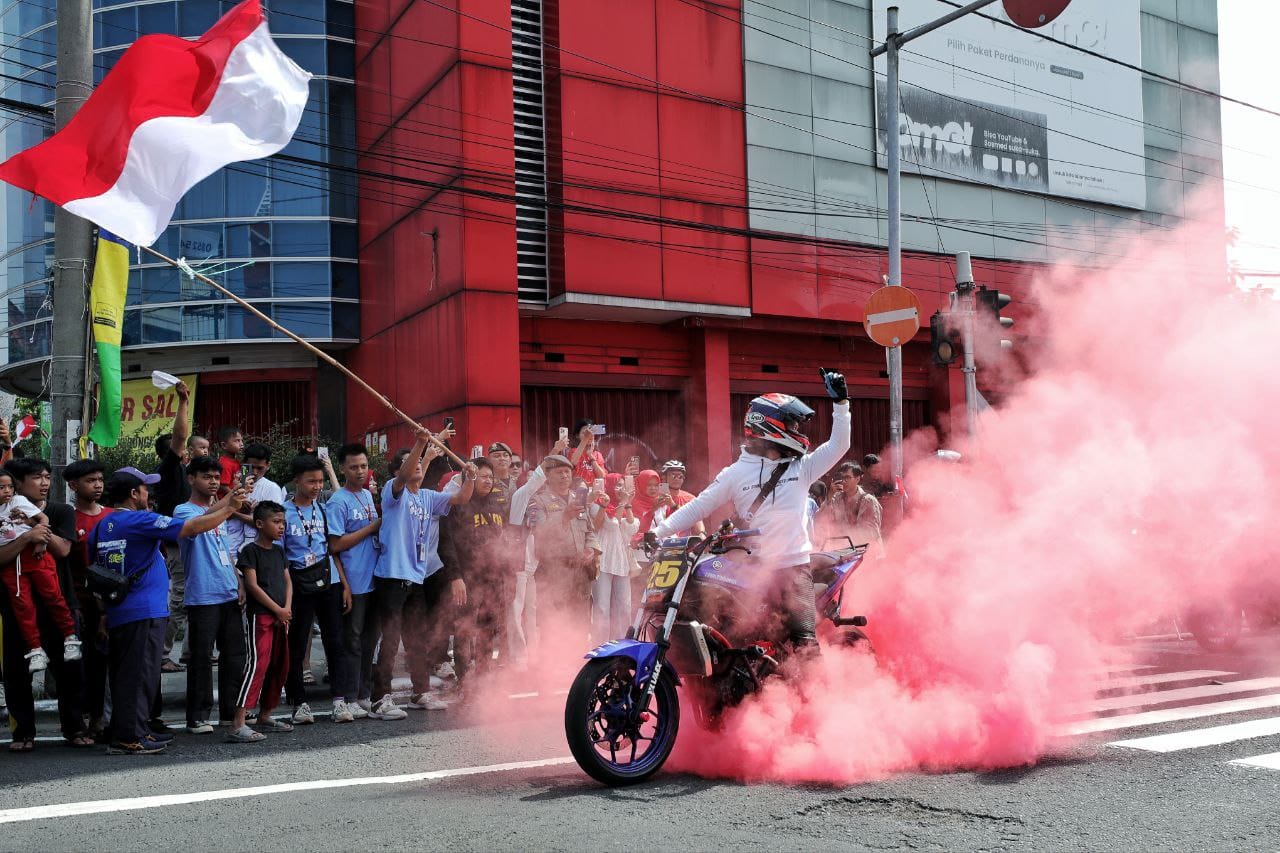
{"x": 993, "y": 301}
{"x": 944, "y": 338}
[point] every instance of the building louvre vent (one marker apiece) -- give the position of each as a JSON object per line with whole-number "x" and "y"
{"x": 527, "y": 81}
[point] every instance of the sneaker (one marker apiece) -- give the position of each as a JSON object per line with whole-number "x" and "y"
{"x": 340, "y": 712}
{"x": 357, "y": 710}
{"x": 37, "y": 660}
{"x": 158, "y": 726}
{"x": 426, "y": 702}
{"x": 446, "y": 671}
{"x": 200, "y": 727}
{"x": 135, "y": 748}
{"x": 386, "y": 709}
{"x": 71, "y": 648}
{"x": 302, "y": 715}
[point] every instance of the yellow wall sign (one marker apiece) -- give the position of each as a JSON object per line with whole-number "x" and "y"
{"x": 147, "y": 411}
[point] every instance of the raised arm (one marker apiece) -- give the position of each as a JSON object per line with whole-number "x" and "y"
{"x": 181, "y": 421}
{"x": 218, "y": 513}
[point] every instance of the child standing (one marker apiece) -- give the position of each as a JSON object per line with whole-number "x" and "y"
{"x": 268, "y": 610}
{"x": 230, "y": 446}
{"x": 37, "y": 567}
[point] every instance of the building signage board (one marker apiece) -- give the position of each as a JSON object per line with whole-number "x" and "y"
{"x": 987, "y": 103}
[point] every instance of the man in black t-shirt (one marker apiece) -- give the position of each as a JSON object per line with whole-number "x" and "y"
{"x": 172, "y": 490}
{"x": 31, "y": 480}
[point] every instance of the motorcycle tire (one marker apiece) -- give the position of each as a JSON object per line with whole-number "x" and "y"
{"x": 856, "y": 638}
{"x": 582, "y": 717}
{"x": 1216, "y": 630}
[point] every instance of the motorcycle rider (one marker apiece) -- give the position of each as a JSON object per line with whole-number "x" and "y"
{"x": 776, "y": 452}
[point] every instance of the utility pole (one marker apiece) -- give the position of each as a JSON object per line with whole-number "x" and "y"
{"x": 892, "y": 153}
{"x": 72, "y": 247}
{"x": 962, "y": 302}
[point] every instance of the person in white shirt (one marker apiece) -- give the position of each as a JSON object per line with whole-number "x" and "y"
{"x": 769, "y": 488}
{"x": 616, "y": 524}
{"x": 240, "y": 529}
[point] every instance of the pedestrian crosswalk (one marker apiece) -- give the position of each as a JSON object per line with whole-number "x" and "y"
{"x": 1210, "y": 702}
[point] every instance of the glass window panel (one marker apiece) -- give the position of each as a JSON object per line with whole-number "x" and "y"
{"x": 300, "y": 239}
{"x": 161, "y": 325}
{"x": 168, "y": 242}
{"x": 346, "y": 282}
{"x": 248, "y": 190}
{"x": 119, "y": 26}
{"x": 241, "y": 325}
{"x": 158, "y": 18}
{"x": 343, "y": 240}
{"x": 206, "y": 200}
{"x": 300, "y": 191}
{"x": 132, "y": 334}
{"x": 256, "y": 281}
{"x": 196, "y": 16}
{"x": 346, "y": 320}
{"x": 342, "y": 60}
{"x": 341, "y": 19}
{"x": 28, "y": 303}
{"x": 260, "y": 240}
{"x": 204, "y": 322}
{"x": 29, "y": 342}
{"x": 309, "y": 53}
{"x": 305, "y": 278}
{"x": 297, "y": 16}
{"x": 237, "y": 241}
{"x": 160, "y": 284}
{"x": 305, "y": 320}
{"x": 200, "y": 242}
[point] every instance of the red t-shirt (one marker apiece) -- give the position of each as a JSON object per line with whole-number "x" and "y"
{"x": 585, "y": 470}
{"x": 80, "y": 552}
{"x": 230, "y": 471}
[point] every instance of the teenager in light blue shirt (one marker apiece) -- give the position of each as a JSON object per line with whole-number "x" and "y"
{"x": 212, "y": 600}
{"x": 408, "y": 581}
{"x": 353, "y": 538}
{"x": 321, "y": 600}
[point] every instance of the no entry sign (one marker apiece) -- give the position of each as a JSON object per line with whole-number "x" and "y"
{"x": 892, "y": 316}
{"x": 1034, "y": 13}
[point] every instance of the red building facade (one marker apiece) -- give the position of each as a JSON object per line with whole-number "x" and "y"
{"x": 664, "y": 310}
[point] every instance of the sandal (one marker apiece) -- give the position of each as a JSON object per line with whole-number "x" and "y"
{"x": 81, "y": 740}
{"x": 25, "y": 744}
{"x": 276, "y": 725}
{"x": 245, "y": 735}
{"x": 170, "y": 666}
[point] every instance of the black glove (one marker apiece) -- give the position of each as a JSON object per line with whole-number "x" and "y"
{"x": 650, "y": 541}
{"x": 836, "y": 387}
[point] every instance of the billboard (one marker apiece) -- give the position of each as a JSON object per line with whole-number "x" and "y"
{"x": 987, "y": 103}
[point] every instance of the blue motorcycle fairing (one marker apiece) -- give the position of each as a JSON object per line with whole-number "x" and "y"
{"x": 645, "y": 655}
{"x": 731, "y": 574}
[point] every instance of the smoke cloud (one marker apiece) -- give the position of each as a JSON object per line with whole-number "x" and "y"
{"x": 1129, "y": 474}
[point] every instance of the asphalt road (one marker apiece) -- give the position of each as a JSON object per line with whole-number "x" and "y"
{"x": 372, "y": 784}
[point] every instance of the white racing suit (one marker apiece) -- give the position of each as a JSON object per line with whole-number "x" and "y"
{"x": 784, "y": 542}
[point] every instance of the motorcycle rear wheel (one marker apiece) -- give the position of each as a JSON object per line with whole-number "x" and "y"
{"x": 1216, "y": 629}
{"x": 596, "y": 716}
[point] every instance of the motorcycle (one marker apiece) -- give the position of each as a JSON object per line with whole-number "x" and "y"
{"x": 622, "y": 713}
{"x": 1218, "y": 625}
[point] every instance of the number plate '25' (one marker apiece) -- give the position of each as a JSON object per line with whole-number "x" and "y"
{"x": 665, "y": 573}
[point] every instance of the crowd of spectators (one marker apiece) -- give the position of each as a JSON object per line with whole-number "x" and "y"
{"x": 452, "y": 563}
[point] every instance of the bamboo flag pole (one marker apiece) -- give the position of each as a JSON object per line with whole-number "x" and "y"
{"x": 310, "y": 346}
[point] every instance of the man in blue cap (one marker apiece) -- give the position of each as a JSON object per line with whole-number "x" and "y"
{"x": 129, "y": 541}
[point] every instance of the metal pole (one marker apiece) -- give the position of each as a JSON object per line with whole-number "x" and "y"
{"x": 915, "y": 32}
{"x": 72, "y": 244}
{"x": 965, "y": 303}
{"x": 893, "y": 143}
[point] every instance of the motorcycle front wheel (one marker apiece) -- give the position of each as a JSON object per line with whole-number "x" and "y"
{"x": 609, "y": 742}
{"x": 1216, "y": 629}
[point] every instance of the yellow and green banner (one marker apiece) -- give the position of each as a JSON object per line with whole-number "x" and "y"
{"x": 106, "y": 307}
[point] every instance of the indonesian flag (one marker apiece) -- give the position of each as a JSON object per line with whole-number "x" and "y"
{"x": 169, "y": 114}
{"x": 24, "y": 428}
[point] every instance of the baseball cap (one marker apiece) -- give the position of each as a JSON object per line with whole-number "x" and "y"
{"x": 132, "y": 478}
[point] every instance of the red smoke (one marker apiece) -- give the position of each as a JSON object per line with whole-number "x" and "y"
{"x": 1132, "y": 472}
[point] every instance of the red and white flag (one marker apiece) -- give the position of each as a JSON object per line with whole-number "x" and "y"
{"x": 24, "y": 428}
{"x": 169, "y": 114}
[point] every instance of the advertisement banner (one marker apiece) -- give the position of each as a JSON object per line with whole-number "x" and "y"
{"x": 991, "y": 104}
{"x": 146, "y": 411}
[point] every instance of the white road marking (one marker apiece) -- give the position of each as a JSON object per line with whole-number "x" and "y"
{"x": 1117, "y": 669}
{"x": 1196, "y": 738}
{"x": 1270, "y": 761}
{"x": 1140, "y": 700}
{"x": 532, "y": 695}
{"x": 165, "y": 800}
{"x": 1135, "y": 681}
{"x": 1169, "y": 715}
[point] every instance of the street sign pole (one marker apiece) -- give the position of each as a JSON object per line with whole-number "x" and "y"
{"x": 965, "y": 303}
{"x": 892, "y": 153}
